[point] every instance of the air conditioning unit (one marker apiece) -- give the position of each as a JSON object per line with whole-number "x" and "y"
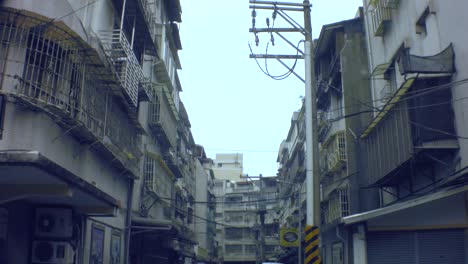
{"x": 53, "y": 222}
{"x": 52, "y": 252}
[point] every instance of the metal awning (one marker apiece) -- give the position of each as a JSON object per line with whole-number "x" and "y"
{"x": 29, "y": 175}
{"x": 152, "y": 223}
{"x": 362, "y": 217}
{"x": 391, "y": 103}
{"x": 380, "y": 69}
{"x": 443, "y": 62}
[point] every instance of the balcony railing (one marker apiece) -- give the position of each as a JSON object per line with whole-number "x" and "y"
{"x": 381, "y": 14}
{"x": 334, "y": 152}
{"x": 162, "y": 117}
{"x": 338, "y": 205}
{"x": 125, "y": 64}
{"x": 324, "y": 125}
{"x": 52, "y": 72}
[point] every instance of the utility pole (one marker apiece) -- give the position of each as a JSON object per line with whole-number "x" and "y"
{"x": 312, "y": 172}
{"x": 312, "y": 176}
{"x": 299, "y": 231}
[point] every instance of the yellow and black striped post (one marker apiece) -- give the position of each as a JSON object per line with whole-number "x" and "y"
{"x": 312, "y": 252}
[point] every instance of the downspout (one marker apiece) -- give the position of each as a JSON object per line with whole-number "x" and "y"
{"x": 345, "y": 244}
{"x": 128, "y": 220}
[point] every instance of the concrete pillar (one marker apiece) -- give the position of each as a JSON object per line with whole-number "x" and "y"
{"x": 360, "y": 246}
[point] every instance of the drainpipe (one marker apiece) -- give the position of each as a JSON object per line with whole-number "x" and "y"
{"x": 345, "y": 245}
{"x": 128, "y": 220}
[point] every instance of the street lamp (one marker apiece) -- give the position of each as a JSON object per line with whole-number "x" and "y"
{"x": 299, "y": 205}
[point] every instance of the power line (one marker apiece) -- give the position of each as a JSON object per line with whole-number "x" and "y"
{"x": 409, "y": 95}
{"x": 243, "y": 150}
{"x": 424, "y": 93}
{"x": 437, "y": 130}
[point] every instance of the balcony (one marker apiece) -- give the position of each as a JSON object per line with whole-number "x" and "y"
{"x": 125, "y": 64}
{"x": 334, "y": 153}
{"x": 145, "y": 91}
{"x": 324, "y": 125}
{"x": 335, "y": 65}
{"x": 50, "y": 72}
{"x": 337, "y": 206}
{"x": 381, "y": 15}
{"x": 173, "y": 162}
{"x": 163, "y": 117}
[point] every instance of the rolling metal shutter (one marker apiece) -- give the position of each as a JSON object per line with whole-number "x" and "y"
{"x": 417, "y": 247}
{"x": 390, "y": 248}
{"x": 445, "y": 246}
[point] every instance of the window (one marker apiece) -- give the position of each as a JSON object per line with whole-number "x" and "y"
{"x": 337, "y": 253}
{"x": 233, "y": 249}
{"x": 270, "y": 249}
{"x": 220, "y": 165}
{"x": 2, "y": 114}
{"x": 148, "y": 173}
{"x": 51, "y": 72}
{"x": 250, "y": 249}
{"x": 190, "y": 216}
{"x": 233, "y": 233}
{"x": 421, "y": 28}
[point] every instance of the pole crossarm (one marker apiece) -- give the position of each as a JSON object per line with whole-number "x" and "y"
{"x": 278, "y": 3}
{"x": 275, "y": 30}
{"x": 275, "y": 8}
{"x": 272, "y": 56}
{"x": 291, "y": 21}
{"x": 290, "y": 43}
{"x": 291, "y": 70}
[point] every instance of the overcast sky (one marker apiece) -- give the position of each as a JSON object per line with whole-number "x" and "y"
{"x": 232, "y": 105}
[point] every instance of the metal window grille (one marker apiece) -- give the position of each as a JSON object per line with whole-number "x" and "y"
{"x": 344, "y": 201}
{"x": 250, "y": 249}
{"x": 380, "y": 14}
{"x": 232, "y": 249}
{"x": 126, "y": 65}
{"x": 50, "y": 68}
{"x": 155, "y": 109}
{"x": 341, "y": 141}
{"x": 148, "y": 173}
{"x": 41, "y": 66}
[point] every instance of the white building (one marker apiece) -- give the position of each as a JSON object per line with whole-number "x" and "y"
{"x": 229, "y": 166}
{"x": 413, "y": 185}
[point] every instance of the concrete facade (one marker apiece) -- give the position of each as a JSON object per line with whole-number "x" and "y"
{"x": 417, "y": 70}
{"x": 398, "y": 83}
{"x": 96, "y": 152}
{"x": 228, "y": 166}
{"x": 240, "y": 236}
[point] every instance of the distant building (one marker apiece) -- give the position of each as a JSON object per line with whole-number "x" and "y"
{"x": 229, "y": 167}
{"x": 239, "y": 229}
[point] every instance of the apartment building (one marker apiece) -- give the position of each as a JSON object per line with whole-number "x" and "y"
{"x": 205, "y": 206}
{"x": 246, "y": 217}
{"x": 414, "y": 156}
{"x": 342, "y": 90}
{"x": 391, "y": 100}
{"x": 229, "y": 166}
{"x": 95, "y": 144}
{"x": 341, "y": 72}
{"x": 291, "y": 178}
